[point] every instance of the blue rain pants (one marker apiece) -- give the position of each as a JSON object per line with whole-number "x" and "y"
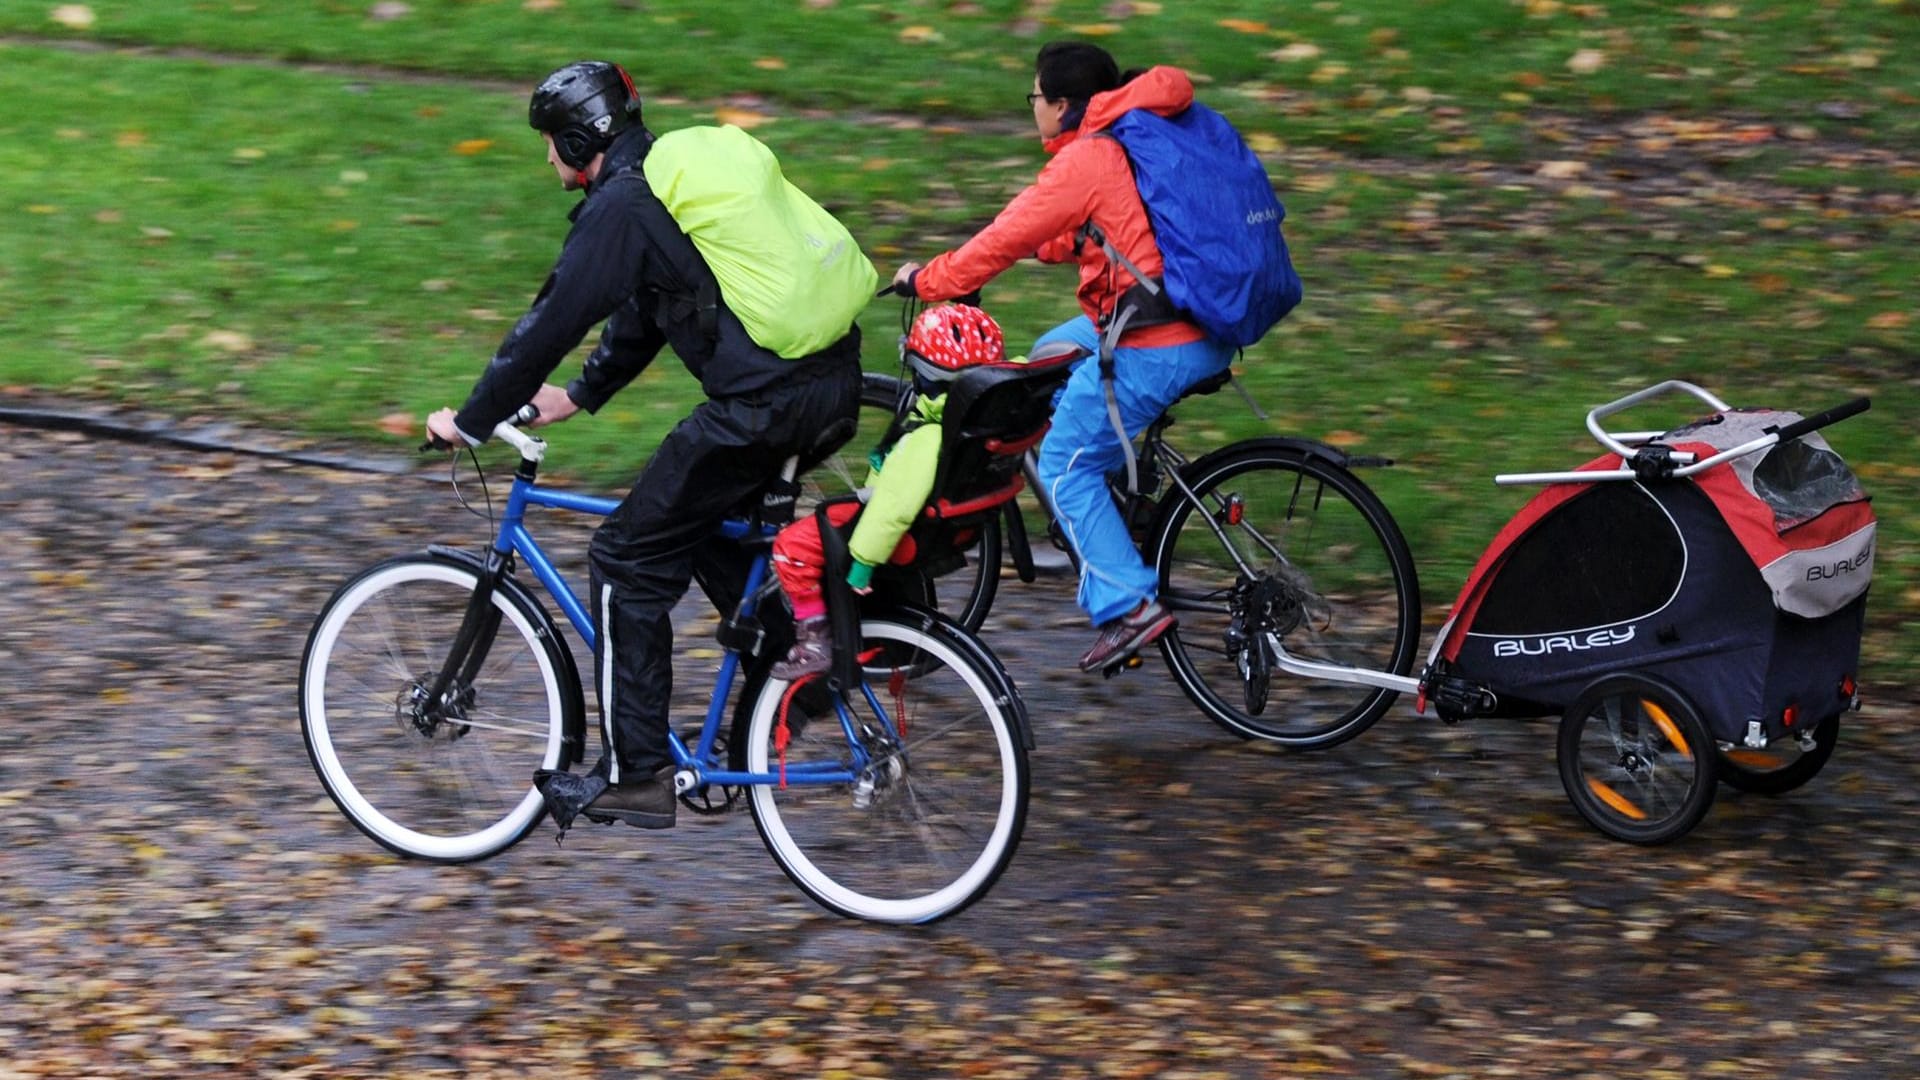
{"x": 1082, "y": 448}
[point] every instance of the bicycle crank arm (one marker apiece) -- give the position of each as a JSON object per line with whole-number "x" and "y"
{"x": 1294, "y": 665}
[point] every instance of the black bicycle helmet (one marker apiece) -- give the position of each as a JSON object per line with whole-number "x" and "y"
{"x": 583, "y": 106}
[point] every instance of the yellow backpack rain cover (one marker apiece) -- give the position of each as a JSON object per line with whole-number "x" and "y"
{"x": 787, "y": 269}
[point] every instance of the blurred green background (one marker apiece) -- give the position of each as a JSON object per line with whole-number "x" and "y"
{"x": 321, "y": 215}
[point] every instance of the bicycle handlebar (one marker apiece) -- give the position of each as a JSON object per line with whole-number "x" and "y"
{"x": 1617, "y": 442}
{"x": 522, "y": 416}
{"x": 531, "y": 447}
{"x": 1680, "y": 463}
{"x": 905, "y": 292}
{"x": 534, "y": 448}
{"x": 1822, "y": 419}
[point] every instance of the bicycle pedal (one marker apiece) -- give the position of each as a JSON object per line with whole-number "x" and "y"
{"x": 1119, "y": 666}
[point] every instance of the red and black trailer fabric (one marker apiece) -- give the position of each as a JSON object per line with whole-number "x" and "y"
{"x": 1745, "y": 585}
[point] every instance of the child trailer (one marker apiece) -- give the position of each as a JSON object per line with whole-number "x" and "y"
{"x": 1691, "y": 603}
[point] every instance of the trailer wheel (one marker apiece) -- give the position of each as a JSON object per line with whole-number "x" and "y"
{"x": 1636, "y": 759}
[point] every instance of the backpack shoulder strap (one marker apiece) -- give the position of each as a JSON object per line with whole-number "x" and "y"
{"x": 1089, "y": 231}
{"x": 703, "y": 299}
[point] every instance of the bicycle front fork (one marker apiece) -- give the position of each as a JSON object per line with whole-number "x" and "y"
{"x": 444, "y": 697}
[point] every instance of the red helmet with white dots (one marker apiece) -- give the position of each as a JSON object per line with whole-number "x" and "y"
{"x": 949, "y": 339}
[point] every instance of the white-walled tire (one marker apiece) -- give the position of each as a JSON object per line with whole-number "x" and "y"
{"x": 447, "y": 791}
{"x": 941, "y": 814}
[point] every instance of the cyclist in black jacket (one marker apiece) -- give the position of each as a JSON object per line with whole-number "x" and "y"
{"x": 626, "y": 262}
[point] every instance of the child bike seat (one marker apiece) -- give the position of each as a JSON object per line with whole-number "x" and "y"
{"x": 994, "y": 413}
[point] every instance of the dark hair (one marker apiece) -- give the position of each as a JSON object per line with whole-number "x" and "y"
{"x": 1075, "y": 71}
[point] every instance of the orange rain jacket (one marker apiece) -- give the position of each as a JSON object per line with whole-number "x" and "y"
{"x": 1088, "y": 179}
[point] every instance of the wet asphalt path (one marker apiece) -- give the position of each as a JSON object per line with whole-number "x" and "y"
{"x": 179, "y": 897}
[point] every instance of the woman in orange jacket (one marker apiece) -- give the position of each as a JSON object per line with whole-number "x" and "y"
{"x": 1078, "y": 90}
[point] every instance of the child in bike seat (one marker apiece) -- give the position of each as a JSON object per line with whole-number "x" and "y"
{"x": 943, "y": 342}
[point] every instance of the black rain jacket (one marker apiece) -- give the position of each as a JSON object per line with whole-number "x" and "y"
{"x": 626, "y": 262}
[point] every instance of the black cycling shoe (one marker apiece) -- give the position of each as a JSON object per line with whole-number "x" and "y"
{"x": 643, "y": 804}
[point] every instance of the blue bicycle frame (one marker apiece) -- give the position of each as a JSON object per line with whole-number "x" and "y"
{"x": 515, "y": 540}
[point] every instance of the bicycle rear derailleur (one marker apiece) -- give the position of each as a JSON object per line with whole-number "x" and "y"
{"x": 1275, "y": 603}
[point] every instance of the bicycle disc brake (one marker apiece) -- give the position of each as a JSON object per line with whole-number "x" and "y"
{"x": 417, "y": 717}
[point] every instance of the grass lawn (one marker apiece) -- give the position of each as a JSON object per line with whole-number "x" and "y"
{"x": 1387, "y": 75}
{"x": 1498, "y": 228}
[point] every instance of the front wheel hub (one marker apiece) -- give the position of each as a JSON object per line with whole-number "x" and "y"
{"x": 417, "y": 716}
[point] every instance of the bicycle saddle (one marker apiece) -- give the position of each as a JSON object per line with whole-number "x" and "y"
{"x": 1210, "y": 384}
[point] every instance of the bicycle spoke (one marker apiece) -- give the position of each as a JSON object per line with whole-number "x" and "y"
{"x": 1302, "y": 551}
{"x": 1631, "y": 759}
{"x": 926, "y": 824}
{"x": 453, "y": 787}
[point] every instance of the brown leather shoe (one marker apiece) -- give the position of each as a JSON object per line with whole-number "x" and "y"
{"x": 1122, "y": 637}
{"x": 643, "y": 804}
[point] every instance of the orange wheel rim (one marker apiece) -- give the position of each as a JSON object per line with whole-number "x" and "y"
{"x": 1667, "y": 727}
{"x": 1620, "y": 803}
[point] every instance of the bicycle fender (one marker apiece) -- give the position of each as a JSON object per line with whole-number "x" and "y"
{"x": 573, "y": 719}
{"x": 1307, "y": 447}
{"x": 1193, "y": 470}
{"x": 932, "y": 622}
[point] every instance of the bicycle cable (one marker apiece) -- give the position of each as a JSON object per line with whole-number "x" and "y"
{"x": 453, "y": 477}
{"x": 910, "y": 310}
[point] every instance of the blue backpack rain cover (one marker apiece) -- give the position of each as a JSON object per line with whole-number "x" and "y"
{"x": 1215, "y": 218}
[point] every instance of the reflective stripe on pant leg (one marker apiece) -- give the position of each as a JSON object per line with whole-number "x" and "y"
{"x": 1062, "y": 453}
{"x": 1074, "y": 460}
{"x": 605, "y": 656}
{"x": 661, "y": 537}
{"x": 1083, "y": 447}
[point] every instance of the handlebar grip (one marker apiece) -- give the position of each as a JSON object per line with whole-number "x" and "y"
{"x": 522, "y": 416}
{"x": 905, "y": 291}
{"x": 1819, "y": 420}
